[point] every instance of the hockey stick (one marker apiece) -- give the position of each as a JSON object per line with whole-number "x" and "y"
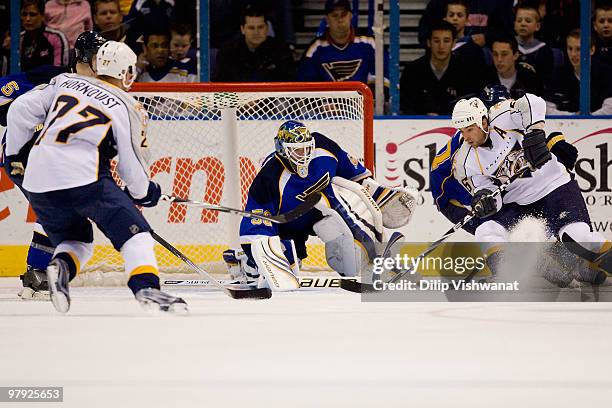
{"x": 305, "y": 282}
{"x": 366, "y": 287}
{"x": 357, "y": 287}
{"x": 289, "y": 216}
{"x": 255, "y": 293}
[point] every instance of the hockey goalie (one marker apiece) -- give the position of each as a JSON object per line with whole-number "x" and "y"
{"x": 304, "y": 163}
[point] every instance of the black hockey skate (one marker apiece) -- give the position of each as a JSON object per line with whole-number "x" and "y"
{"x": 59, "y": 276}
{"x": 35, "y": 285}
{"x": 155, "y": 299}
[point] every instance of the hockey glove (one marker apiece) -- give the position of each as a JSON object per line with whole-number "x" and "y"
{"x": 15, "y": 169}
{"x": 565, "y": 152}
{"x": 152, "y": 197}
{"x": 535, "y": 149}
{"x": 484, "y": 204}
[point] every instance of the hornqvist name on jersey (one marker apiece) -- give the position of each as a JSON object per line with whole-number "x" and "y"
{"x": 91, "y": 91}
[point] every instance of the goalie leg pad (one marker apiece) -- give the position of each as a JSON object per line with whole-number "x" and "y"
{"x": 272, "y": 263}
{"x": 341, "y": 252}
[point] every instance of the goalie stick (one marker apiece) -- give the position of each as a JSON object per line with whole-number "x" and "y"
{"x": 254, "y": 293}
{"x": 367, "y": 287}
{"x": 358, "y": 287}
{"x": 283, "y": 218}
{"x": 305, "y": 282}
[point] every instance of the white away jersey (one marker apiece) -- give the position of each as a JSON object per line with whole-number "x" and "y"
{"x": 86, "y": 123}
{"x": 502, "y": 156}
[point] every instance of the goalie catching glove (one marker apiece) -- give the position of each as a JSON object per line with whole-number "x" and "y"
{"x": 397, "y": 204}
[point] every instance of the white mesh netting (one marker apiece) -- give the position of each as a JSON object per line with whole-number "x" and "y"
{"x": 208, "y": 146}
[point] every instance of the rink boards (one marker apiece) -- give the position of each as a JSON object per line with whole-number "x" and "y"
{"x": 404, "y": 150}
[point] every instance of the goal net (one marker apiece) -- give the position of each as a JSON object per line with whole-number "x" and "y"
{"x": 207, "y": 143}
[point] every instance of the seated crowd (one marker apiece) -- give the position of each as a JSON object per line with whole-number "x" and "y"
{"x": 526, "y": 45}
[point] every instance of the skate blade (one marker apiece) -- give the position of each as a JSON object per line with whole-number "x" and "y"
{"x": 179, "y": 309}
{"x": 154, "y": 308}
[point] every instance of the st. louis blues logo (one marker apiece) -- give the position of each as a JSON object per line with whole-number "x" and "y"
{"x": 342, "y": 70}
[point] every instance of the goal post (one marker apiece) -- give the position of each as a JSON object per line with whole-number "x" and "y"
{"x": 207, "y": 143}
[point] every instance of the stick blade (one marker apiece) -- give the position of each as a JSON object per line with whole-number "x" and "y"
{"x": 356, "y": 287}
{"x": 256, "y": 293}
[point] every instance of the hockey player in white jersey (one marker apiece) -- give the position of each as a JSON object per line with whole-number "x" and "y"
{"x": 503, "y": 141}
{"x": 87, "y": 121}
{"x": 304, "y": 163}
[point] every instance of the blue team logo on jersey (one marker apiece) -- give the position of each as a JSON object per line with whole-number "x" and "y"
{"x": 342, "y": 70}
{"x": 319, "y": 185}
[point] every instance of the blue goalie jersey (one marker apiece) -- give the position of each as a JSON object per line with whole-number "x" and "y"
{"x": 276, "y": 189}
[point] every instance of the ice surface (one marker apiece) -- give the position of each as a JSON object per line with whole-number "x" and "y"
{"x": 307, "y": 349}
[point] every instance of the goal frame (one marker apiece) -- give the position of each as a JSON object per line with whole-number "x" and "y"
{"x": 363, "y": 89}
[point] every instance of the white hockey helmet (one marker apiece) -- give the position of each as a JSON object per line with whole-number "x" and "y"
{"x": 117, "y": 60}
{"x": 469, "y": 111}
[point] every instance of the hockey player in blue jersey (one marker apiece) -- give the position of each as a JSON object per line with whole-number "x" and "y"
{"x": 39, "y": 254}
{"x": 303, "y": 164}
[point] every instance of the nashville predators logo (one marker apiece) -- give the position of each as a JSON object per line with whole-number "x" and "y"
{"x": 514, "y": 161}
{"x": 342, "y": 70}
{"x": 318, "y": 186}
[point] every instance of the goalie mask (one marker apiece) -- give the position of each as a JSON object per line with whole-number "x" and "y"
{"x": 295, "y": 143}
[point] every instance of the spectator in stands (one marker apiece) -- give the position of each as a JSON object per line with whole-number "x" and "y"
{"x": 517, "y": 77}
{"x": 71, "y": 17}
{"x": 457, "y": 13}
{"x": 558, "y": 19}
{"x": 107, "y": 17}
{"x": 602, "y": 23}
{"x": 155, "y": 65}
{"x": 340, "y": 54}
{"x": 144, "y": 15}
{"x": 563, "y": 89}
{"x": 40, "y": 45}
{"x": 433, "y": 83}
{"x": 487, "y": 19}
{"x": 181, "y": 38}
{"x": 254, "y": 57}
{"x": 5, "y": 39}
{"x": 532, "y": 51}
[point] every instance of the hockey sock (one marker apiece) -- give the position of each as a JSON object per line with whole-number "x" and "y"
{"x": 40, "y": 251}
{"x": 140, "y": 262}
{"x": 143, "y": 280}
{"x": 73, "y": 266}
